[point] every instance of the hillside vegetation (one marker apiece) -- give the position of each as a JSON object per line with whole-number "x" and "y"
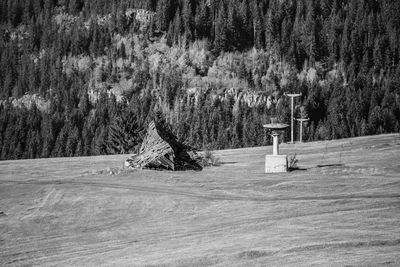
{"x": 72, "y": 72}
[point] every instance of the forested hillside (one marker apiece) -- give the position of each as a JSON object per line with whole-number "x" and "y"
{"x": 78, "y": 76}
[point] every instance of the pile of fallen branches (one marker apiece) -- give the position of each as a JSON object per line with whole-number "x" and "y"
{"x": 161, "y": 150}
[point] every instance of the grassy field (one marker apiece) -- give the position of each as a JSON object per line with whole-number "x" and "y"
{"x": 341, "y": 208}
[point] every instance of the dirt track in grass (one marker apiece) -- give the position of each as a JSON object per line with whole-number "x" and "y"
{"x": 342, "y": 208}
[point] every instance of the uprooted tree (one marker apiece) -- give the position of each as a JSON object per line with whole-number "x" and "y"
{"x": 162, "y": 151}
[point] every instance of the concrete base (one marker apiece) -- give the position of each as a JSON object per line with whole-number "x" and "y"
{"x": 276, "y": 164}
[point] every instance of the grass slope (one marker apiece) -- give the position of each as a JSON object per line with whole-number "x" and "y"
{"x": 60, "y": 212}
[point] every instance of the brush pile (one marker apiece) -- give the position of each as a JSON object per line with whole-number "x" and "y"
{"x": 161, "y": 150}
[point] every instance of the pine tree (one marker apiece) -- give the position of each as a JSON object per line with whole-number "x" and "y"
{"x": 221, "y": 31}
{"x": 188, "y": 21}
{"x": 203, "y": 22}
{"x": 61, "y": 141}
{"x": 177, "y": 27}
{"x": 164, "y": 16}
{"x": 125, "y": 134}
{"x": 310, "y": 32}
{"x": 258, "y": 28}
{"x": 72, "y": 142}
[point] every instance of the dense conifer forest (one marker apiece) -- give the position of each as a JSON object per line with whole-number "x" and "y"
{"x": 84, "y": 77}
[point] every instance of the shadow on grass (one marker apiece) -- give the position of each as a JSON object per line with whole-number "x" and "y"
{"x": 295, "y": 169}
{"x": 330, "y": 165}
{"x": 227, "y": 163}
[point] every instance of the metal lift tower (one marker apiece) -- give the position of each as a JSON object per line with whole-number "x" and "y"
{"x": 301, "y": 128}
{"x": 292, "y": 96}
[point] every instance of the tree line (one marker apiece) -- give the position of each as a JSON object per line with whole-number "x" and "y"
{"x": 357, "y": 40}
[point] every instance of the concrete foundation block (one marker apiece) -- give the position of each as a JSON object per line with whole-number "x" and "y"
{"x": 276, "y": 164}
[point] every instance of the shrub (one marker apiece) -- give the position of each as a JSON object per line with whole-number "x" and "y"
{"x": 293, "y": 162}
{"x": 208, "y": 159}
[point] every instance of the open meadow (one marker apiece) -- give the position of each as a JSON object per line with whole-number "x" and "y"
{"x": 342, "y": 207}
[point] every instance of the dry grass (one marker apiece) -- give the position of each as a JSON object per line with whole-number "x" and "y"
{"x": 57, "y": 212}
